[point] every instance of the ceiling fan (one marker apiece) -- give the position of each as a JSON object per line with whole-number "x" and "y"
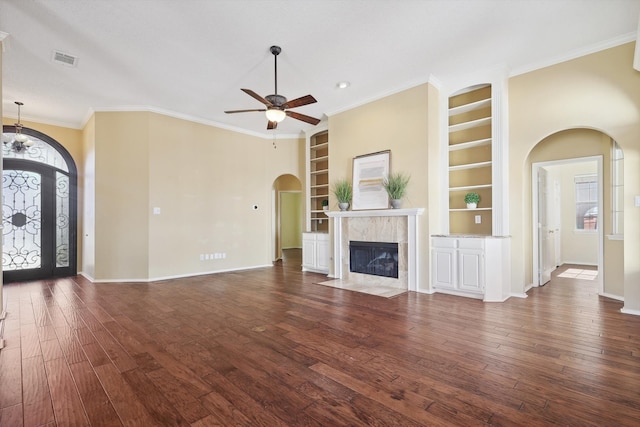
{"x": 277, "y": 105}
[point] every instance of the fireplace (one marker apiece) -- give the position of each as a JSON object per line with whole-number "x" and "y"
{"x": 375, "y": 258}
{"x": 385, "y": 225}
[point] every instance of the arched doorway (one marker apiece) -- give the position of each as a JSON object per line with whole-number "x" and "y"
{"x": 39, "y": 209}
{"x": 585, "y": 165}
{"x": 288, "y": 216}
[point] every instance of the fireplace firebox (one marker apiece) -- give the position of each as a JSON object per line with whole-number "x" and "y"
{"x": 376, "y": 258}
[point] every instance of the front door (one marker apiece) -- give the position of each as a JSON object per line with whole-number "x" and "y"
{"x": 35, "y": 207}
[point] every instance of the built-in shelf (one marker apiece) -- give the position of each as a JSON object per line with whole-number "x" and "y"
{"x": 318, "y": 146}
{"x": 483, "y": 103}
{"x": 470, "y": 187}
{"x": 470, "y": 159}
{"x": 470, "y": 144}
{"x": 470, "y": 166}
{"x": 468, "y": 209}
{"x": 471, "y": 124}
{"x": 317, "y": 179}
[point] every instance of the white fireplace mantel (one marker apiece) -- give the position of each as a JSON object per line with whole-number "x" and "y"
{"x": 378, "y": 212}
{"x": 340, "y": 251}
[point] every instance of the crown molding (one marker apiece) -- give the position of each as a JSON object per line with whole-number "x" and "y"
{"x": 577, "y": 53}
{"x": 186, "y": 117}
{"x": 636, "y": 56}
{"x": 379, "y": 95}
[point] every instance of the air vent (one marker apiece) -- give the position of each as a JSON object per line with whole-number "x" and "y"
{"x": 64, "y": 58}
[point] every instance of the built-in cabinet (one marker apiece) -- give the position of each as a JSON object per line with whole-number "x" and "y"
{"x": 317, "y": 180}
{"x": 315, "y": 241}
{"x": 470, "y": 168}
{"x": 471, "y": 266}
{"x": 315, "y": 252}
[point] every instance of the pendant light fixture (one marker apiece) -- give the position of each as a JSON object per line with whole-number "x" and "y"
{"x": 20, "y": 141}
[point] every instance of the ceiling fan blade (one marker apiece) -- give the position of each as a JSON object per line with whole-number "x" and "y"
{"x": 302, "y": 117}
{"x": 244, "y": 111}
{"x": 272, "y": 125}
{"x": 256, "y": 96}
{"x": 299, "y": 102}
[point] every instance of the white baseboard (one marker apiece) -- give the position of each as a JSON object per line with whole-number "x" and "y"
{"x": 519, "y": 295}
{"x": 615, "y": 297}
{"x": 578, "y": 263}
{"x": 630, "y": 311}
{"x": 179, "y": 276}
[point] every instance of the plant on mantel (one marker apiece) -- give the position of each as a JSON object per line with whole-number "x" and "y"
{"x": 396, "y": 186}
{"x": 344, "y": 192}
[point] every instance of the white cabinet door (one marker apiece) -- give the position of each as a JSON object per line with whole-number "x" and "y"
{"x": 322, "y": 253}
{"x": 444, "y": 267}
{"x": 471, "y": 270}
{"x": 308, "y": 253}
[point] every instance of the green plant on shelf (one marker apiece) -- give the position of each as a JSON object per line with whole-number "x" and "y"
{"x": 472, "y": 198}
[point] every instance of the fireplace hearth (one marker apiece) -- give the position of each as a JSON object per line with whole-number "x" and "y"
{"x": 375, "y": 258}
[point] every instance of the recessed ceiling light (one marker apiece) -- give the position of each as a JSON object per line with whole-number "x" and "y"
{"x": 343, "y": 85}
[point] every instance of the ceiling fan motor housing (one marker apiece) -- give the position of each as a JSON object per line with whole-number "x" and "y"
{"x": 276, "y": 100}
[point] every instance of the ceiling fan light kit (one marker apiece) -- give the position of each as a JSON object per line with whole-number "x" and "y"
{"x": 277, "y": 105}
{"x": 275, "y": 115}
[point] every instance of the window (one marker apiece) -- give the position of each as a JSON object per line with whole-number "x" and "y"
{"x": 586, "y": 202}
{"x": 617, "y": 189}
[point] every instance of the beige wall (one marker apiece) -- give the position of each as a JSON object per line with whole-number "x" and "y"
{"x": 598, "y": 91}
{"x": 397, "y": 123}
{"x": 204, "y": 180}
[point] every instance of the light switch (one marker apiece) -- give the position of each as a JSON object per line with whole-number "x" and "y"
{"x": 636, "y": 201}
{"x": 156, "y": 211}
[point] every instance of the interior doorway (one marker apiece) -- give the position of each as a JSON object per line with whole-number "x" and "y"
{"x": 566, "y": 229}
{"x": 287, "y": 215}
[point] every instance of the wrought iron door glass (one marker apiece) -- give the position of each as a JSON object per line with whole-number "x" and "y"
{"x": 21, "y": 217}
{"x": 62, "y": 220}
{"x": 40, "y": 152}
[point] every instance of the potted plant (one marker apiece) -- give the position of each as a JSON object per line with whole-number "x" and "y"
{"x": 325, "y": 205}
{"x": 396, "y": 186}
{"x": 343, "y": 191}
{"x": 471, "y": 199}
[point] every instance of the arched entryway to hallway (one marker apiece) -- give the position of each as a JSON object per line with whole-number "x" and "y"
{"x": 39, "y": 210}
{"x": 287, "y": 215}
{"x": 576, "y": 183}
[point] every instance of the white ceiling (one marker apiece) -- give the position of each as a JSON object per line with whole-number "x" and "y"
{"x": 189, "y": 58}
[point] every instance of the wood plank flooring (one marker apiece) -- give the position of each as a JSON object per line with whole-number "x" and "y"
{"x": 268, "y": 347}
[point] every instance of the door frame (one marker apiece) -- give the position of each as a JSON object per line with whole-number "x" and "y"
{"x": 71, "y": 269}
{"x": 534, "y": 215}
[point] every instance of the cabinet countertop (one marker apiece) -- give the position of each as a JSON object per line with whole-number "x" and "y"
{"x": 470, "y": 236}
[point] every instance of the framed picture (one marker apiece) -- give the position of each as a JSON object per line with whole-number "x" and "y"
{"x": 369, "y": 172}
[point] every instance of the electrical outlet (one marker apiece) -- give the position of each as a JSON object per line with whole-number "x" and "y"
{"x": 478, "y": 219}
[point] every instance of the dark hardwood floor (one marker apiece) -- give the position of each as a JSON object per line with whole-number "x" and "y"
{"x": 268, "y": 347}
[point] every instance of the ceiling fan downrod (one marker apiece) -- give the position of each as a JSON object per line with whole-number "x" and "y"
{"x": 275, "y": 50}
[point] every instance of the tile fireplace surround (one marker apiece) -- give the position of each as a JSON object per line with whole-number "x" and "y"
{"x": 385, "y": 225}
